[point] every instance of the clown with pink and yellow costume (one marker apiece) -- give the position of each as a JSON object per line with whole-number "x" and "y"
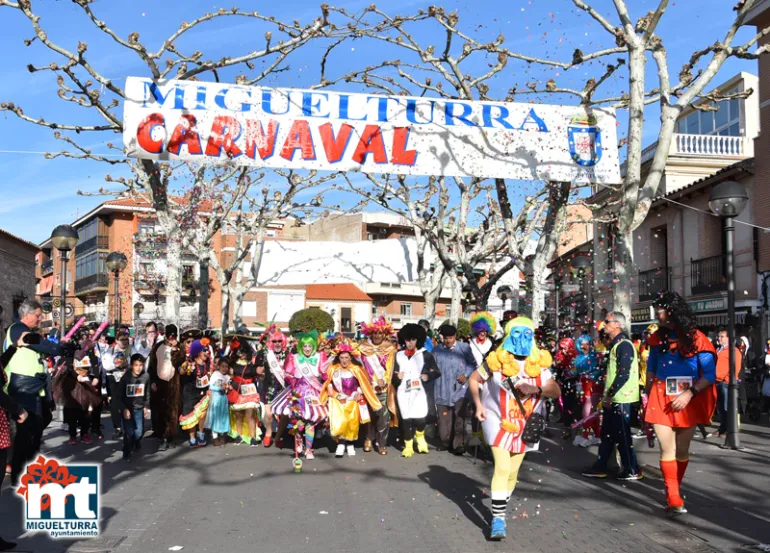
{"x": 517, "y": 369}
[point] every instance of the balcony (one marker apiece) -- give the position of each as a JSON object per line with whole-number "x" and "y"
{"x": 46, "y": 268}
{"x": 91, "y": 284}
{"x": 706, "y": 145}
{"x": 708, "y": 275}
{"x": 149, "y": 243}
{"x": 100, "y": 242}
{"x": 653, "y": 283}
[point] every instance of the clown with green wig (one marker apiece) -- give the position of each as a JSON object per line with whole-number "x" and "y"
{"x": 508, "y": 389}
{"x": 299, "y": 401}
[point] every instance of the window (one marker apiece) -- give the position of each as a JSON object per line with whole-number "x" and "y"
{"x": 449, "y": 311}
{"x": 346, "y": 319}
{"x": 726, "y": 121}
{"x": 91, "y": 264}
{"x": 406, "y": 309}
{"x": 146, "y": 226}
{"x": 88, "y": 230}
{"x": 374, "y": 309}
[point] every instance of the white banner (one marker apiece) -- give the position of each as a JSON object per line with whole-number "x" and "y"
{"x": 333, "y": 131}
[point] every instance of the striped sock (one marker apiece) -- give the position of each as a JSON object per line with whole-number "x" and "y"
{"x": 499, "y": 506}
{"x": 309, "y": 435}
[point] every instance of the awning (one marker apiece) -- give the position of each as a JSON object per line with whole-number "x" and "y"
{"x": 719, "y": 319}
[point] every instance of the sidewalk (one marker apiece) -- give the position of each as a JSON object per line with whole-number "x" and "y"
{"x": 240, "y": 499}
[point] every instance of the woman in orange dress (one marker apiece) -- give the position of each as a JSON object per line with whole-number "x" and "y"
{"x": 681, "y": 371}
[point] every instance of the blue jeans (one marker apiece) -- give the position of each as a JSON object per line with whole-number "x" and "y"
{"x": 722, "y": 395}
{"x": 133, "y": 429}
{"x": 616, "y": 432}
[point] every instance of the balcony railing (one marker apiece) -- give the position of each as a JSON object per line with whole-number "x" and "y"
{"x": 704, "y": 145}
{"x": 100, "y": 242}
{"x": 46, "y": 268}
{"x": 93, "y": 283}
{"x": 653, "y": 283}
{"x": 708, "y": 275}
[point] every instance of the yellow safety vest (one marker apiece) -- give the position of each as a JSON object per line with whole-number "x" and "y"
{"x": 25, "y": 361}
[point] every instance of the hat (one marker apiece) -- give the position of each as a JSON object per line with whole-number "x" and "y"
{"x": 196, "y": 348}
{"x": 191, "y": 333}
{"x": 447, "y": 330}
{"x": 82, "y": 363}
{"x": 171, "y": 330}
{"x": 380, "y": 325}
{"x": 411, "y": 331}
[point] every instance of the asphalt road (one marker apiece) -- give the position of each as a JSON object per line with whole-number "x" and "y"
{"x": 239, "y": 499}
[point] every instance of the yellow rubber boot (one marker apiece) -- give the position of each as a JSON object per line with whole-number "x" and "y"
{"x": 408, "y": 449}
{"x": 422, "y": 445}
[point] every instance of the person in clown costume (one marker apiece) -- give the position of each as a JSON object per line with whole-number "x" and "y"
{"x": 273, "y": 358}
{"x": 681, "y": 371}
{"x": 484, "y": 327}
{"x": 349, "y": 397}
{"x": 378, "y": 355}
{"x": 517, "y": 367}
{"x": 299, "y": 401}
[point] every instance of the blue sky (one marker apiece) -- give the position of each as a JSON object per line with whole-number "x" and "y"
{"x": 38, "y": 194}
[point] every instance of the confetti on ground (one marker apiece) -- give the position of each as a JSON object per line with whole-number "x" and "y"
{"x": 176, "y": 548}
{"x": 323, "y": 512}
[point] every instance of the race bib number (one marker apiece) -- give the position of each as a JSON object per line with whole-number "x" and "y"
{"x": 413, "y": 384}
{"x": 676, "y": 385}
{"x": 248, "y": 389}
{"x": 134, "y": 390}
{"x": 202, "y": 382}
{"x": 312, "y": 401}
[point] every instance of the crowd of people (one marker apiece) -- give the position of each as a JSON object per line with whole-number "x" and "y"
{"x": 386, "y": 388}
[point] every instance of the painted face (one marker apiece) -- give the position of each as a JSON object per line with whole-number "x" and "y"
{"x": 307, "y": 349}
{"x": 521, "y": 338}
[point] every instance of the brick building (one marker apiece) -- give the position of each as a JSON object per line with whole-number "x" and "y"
{"x": 17, "y": 275}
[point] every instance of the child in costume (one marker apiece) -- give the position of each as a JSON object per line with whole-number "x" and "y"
{"x": 218, "y": 413}
{"x": 349, "y": 396}
{"x": 304, "y": 373}
{"x": 681, "y": 371}
{"x": 517, "y": 369}
{"x": 195, "y": 374}
{"x": 414, "y": 367}
{"x": 378, "y": 355}
{"x": 249, "y": 385}
{"x": 587, "y": 367}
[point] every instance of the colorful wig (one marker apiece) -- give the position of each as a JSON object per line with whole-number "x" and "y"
{"x": 380, "y": 324}
{"x": 307, "y": 338}
{"x": 483, "y": 322}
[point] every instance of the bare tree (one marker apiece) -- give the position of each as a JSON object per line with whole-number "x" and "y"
{"x": 465, "y": 67}
{"x": 82, "y": 83}
{"x": 258, "y": 207}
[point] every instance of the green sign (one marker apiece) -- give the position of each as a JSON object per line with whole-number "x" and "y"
{"x": 716, "y": 304}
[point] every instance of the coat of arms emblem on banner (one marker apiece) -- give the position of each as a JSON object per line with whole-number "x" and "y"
{"x": 585, "y": 140}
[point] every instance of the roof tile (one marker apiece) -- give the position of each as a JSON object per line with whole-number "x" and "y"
{"x": 347, "y": 292}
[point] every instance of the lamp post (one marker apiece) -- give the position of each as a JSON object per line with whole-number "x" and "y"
{"x": 581, "y": 264}
{"x": 116, "y": 262}
{"x": 727, "y": 200}
{"x": 64, "y": 238}
{"x": 504, "y": 292}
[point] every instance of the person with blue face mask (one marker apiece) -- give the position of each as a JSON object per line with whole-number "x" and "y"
{"x": 508, "y": 389}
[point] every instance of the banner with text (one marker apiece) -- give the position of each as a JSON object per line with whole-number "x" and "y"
{"x": 335, "y": 131}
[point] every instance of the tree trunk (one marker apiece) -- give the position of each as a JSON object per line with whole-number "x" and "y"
{"x": 457, "y": 293}
{"x": 173, "y": 280}
{"x": 624, "y": 269}
{"x": 203, "y": 293}
{"x": 555, "y": 222}
{"x": 225, "y": 287}
{"x": 237, "y": 302}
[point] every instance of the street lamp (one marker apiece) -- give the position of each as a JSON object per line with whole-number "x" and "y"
{"x": 64, "y": 238}
{"x": 581, "y": 264}
{"x": 504, "y": 292}
{"x": 116, "y": 262}
{"x": 727, "y": 200}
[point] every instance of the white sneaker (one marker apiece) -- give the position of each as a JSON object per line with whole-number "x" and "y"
{"x": 309, "y": 455}
{"x": 340, "y": 450}
{"x": 580, "y": 441}
{"x": 351, "y": 451}
{"x": 596, "y": 440}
